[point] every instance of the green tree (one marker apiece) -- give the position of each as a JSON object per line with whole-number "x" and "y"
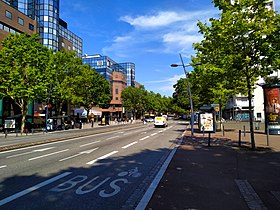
{"x": 23, "y": 61}
{"x": 91, "y": 89}
{"x": 241, "y": 44}
{"x": 63, "y": 68}
{"x": 134, "y": 99}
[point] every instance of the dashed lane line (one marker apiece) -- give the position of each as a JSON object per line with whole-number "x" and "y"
{"x": 102, "y": 157}
{"x": 154, "y": 134}
{"x": 30, "y": 152}
{"x": 31, "y": 189}
{"x": 4, "y": 166}
{"x": 113, "y": 137}
{"x": 126, "y": 146}
{"x": 80, "y": 153}
{"x": 89, "y": 143}
{"x": 54, "y": 153}
{"x": 144, "y": 138}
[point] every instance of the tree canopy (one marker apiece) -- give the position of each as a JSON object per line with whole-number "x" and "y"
{"x": 237, "y": 49}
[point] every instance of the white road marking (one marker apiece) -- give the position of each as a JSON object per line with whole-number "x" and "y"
{"x": 48, "y": 154}
{"x": 26, "y": 153}
{"x": 89, "y": 143}
{"x": 154, "y": 134}
{"x": 31, "y": 189}
{"x": 121, "y": 132}
{"x": 102, "y": 157}
{"x": 80, "y": 153}
{"x": 144, "y": 138}
{"x": 4, "y": 166}
{"x": 126, "y": 146}
{"x": 113, "y": 137}
{"x": 160, "y": 131}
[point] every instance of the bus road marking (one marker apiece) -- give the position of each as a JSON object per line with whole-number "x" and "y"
{"x": 31, "y": 189}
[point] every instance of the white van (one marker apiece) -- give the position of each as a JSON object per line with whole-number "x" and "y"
{"x": 160, "y": 121}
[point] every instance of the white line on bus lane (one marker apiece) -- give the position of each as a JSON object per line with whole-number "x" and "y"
{"x": 33, "y": 188}
{"x": 102, "y": 157}
{"x": 54, "y": 153}
{"x": 126, "y": 146}
{"x": 4, "y": 166}
{"x": 154, "y": 134}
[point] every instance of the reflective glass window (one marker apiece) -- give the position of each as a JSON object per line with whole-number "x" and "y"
{"x": 8, "y": 14}
{"x": 20, "y": 21}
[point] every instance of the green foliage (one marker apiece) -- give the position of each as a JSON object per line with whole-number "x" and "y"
{"x": 23, "y": 61}
{"x": 237, "y": 49}
{"x": 140, "y": 100}
{"x": 91, "y": 89}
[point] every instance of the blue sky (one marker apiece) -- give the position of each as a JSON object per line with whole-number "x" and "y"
{"x": 149, "y": 33}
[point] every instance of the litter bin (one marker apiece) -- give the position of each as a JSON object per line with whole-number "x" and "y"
{"x": 257, "y": 125}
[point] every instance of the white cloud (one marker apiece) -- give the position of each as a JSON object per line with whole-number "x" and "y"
{"x": 157, "y": 20}
{"x": 164, "y": 18}
{"x": 164, "y": 86}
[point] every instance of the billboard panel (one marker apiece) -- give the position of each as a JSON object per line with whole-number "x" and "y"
{"x": 272, "y": 108}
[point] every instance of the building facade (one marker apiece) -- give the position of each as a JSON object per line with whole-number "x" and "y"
{"x": 41, "y": 17}
{"x": 119, "y": 75}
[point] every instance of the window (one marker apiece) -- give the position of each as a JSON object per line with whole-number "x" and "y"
{"x": 117, "y": 90}
{"x": 117, "y": 98}
{"x": 31, "y": 27}
{"x": 8, "y": 14}
{"x": 62, "y": 44}
{"x": 20, "y": 21}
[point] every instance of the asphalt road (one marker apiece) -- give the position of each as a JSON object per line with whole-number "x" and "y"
{"x": 110, "y": 170}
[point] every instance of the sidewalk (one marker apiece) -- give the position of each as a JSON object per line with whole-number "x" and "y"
{"x": 222, "y": 176}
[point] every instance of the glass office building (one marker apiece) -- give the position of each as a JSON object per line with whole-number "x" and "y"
{"x": 130, "y": 73}
{"x": 102, "y": 64}
{"x": 51, "y": 29}
{"x": 106, "y": 66}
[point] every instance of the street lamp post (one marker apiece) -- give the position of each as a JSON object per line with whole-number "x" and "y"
{"x": 189, "y": 89}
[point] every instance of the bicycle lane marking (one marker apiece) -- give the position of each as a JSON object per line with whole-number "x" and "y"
{"x": 33, "y": 188}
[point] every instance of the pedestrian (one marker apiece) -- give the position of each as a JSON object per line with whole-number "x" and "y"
{"x": 72, "y": 124}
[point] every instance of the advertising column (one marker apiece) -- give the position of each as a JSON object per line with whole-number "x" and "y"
{"x": 272, "y": 108}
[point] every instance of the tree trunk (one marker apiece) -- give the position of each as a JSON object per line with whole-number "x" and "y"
{"x": 251, "y": 116}
{"x": 24, "y": 108}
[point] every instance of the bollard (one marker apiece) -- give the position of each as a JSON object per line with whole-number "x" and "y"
{"x": 209, "y": 136}
{"x": 203, "y": 130}
{"x": 223, "y": 130}
{"x": 16, "y": 132}
{"x": 6, "y": 133}
{"x": 239, "y": 138}
{"x": 32, "y": 130}
{"x": 267, "y": 135}
{"x": 244, "y": 127}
